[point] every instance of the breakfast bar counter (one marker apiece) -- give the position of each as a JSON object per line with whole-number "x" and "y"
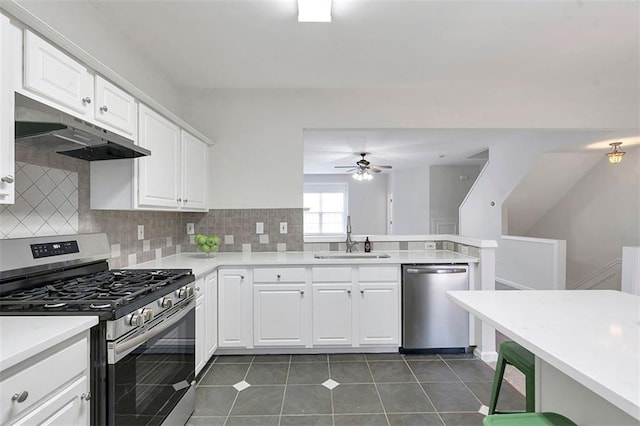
{"x": 586, "y": 345}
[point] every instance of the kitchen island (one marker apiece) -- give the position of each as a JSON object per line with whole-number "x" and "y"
{"x": 586, "y": 345}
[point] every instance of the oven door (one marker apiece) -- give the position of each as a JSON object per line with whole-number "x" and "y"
{"x": 151, "y": 375}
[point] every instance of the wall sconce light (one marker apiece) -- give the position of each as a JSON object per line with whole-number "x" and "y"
{"x": 615, "y": 156}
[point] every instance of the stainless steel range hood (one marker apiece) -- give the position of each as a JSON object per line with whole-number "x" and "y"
{"x": 46, "y": 128}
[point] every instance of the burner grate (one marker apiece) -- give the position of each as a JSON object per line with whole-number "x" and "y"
{"x": 106, "y": 290}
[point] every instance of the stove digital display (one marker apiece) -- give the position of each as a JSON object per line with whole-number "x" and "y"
{"x": 54, "y": 249}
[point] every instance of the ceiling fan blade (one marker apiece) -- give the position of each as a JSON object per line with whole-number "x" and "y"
{"x": 345, "y": 167}
{"x": 382, "y": 167}
{"x": 373, "y": 169}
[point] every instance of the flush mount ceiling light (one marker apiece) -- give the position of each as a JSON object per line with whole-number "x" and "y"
{"x": 314, "y": 10}
{"x": 362, "y": 175}
{"x": 615, "y": 156}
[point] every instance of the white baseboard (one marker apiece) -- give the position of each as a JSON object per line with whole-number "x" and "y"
{"x": 486, "y": 356}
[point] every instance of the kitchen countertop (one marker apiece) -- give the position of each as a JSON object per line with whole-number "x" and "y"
{"x": 22, "y": 337}
{"x": 200, "y": 264}
{"x": 592, "y": 336}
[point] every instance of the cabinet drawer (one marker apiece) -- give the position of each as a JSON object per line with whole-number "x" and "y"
{"x": 379, "y": 274}
{"x": 279, "y": 275}
{"x": 41, "y": 379}
{"x": 331, "y": 275}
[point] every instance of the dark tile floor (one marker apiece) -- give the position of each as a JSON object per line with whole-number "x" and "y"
{"x": 347, "y": 389}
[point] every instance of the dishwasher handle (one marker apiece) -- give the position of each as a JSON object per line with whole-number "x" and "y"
{"x": 436, "y": 270}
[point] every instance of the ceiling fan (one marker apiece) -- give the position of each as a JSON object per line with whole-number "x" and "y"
{"x": 363, "y": 166}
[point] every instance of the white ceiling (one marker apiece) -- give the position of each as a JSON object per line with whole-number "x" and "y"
{"x": 384, "y": 43}
{"x": 248, "y": 44}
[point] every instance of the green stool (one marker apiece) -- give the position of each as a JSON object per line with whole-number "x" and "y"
{"x": 514, "y": 354}
{"x": 527, "y": 419}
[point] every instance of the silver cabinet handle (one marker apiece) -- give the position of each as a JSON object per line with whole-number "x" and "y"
{"x": 86, "y": 100}
{"x": 362, "y": 292}
{"x": 185, "y": 200}
{"x": 104, "y": 108}
{"x": 86, "y": 396}
{"x": 20, "y": 397}
{"x": 179, "y": 199}
{"x": 242, "y": 277}
{"x": 301, "y": 293}
{"x": 278, "y": 276}
{"x": 349, "y": 292}
{"x": 7, "y": 179}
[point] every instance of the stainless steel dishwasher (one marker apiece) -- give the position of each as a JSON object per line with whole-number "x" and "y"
{"x": 430, "y": 321}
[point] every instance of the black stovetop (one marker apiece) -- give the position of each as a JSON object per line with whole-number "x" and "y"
{"x": 109, "y": 292}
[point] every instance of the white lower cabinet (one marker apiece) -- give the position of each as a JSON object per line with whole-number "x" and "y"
{"x": 309, "y": 307}
{"x": 211, "y": 313}
{"x": 49, "y": 388}
{"x": 379, "y": 314}
{"x": 279, "y": 315}
{"x": 201, "y": 326}
{"x": 332, "y": 314}
{"x": 234, "y": 297}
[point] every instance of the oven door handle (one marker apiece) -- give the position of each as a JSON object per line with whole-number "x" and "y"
{"x": 121, "y": 349}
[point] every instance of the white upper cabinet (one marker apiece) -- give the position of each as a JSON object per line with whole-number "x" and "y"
{"x": 195, "y": 166}
{"x": 159, "y": 173}
{"x": 56, "y": 76}
{"x": 114, "y": 107}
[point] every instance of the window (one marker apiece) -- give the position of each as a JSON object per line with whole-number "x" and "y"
{"x": 325, "y": 209}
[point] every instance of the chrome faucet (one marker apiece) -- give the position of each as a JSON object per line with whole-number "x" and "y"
{"x": 349, "y": 242}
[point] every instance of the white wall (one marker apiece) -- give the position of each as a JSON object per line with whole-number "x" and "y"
{"x": 85, "y": 26}
{"x": 599, "y": 216}
{"x": 257, "y": 159}
{"x": 410, "y": 189}
{"x": 367, "y": 201}
{"x": 447, "y": 190}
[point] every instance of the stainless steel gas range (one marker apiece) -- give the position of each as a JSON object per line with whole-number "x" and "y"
{"x": 143, "y": 348}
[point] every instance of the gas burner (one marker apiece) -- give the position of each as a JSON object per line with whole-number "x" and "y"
{"x": 54, "y": 305}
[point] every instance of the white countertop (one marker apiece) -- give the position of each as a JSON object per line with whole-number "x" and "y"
{"x": 24, "y": 336}
{"x": 200, "y": 264}
{"x": 592, "y": 336}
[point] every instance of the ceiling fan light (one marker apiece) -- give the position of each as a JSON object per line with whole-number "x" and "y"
{"x": 314, "y": 10}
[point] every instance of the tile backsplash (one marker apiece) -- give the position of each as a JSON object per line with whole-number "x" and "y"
{"x": 46, "y": 203}
{"x": 52, "y": 198}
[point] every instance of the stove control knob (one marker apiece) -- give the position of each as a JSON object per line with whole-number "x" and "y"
{"x": 147, "y": 314}
{"x": 165, "y": 302}
{"x": 190, "y": 291}
{"x": 181, "y": 293}
{"x": 136, "y": 320}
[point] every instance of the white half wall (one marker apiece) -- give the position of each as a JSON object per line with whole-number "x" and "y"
{"x": 631, "y": 270}
{"x": 531, "y": 263}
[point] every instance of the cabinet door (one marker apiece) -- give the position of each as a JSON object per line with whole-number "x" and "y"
{"x": 7, "y": 136}
{"x": 332, "y": 311}
{"x": 379, "y": 313}
{"x": 115, "y": 107}
{"x": 56, "y": 76}
{"x": 211, "y": 313}
{"x": 279, "y": 315}
{"x": 195, "y": 172}
{"x": 158, "y": 174}
{"x": 232, "y": 317}
{"x": 200, "y": 334}
{"x": 66, "y": 407}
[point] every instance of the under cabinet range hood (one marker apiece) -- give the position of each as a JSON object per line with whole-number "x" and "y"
{"x": 42, "y": 127}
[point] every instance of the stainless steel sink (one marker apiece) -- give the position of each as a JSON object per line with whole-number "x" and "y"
{"x": 351, "y": 256}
